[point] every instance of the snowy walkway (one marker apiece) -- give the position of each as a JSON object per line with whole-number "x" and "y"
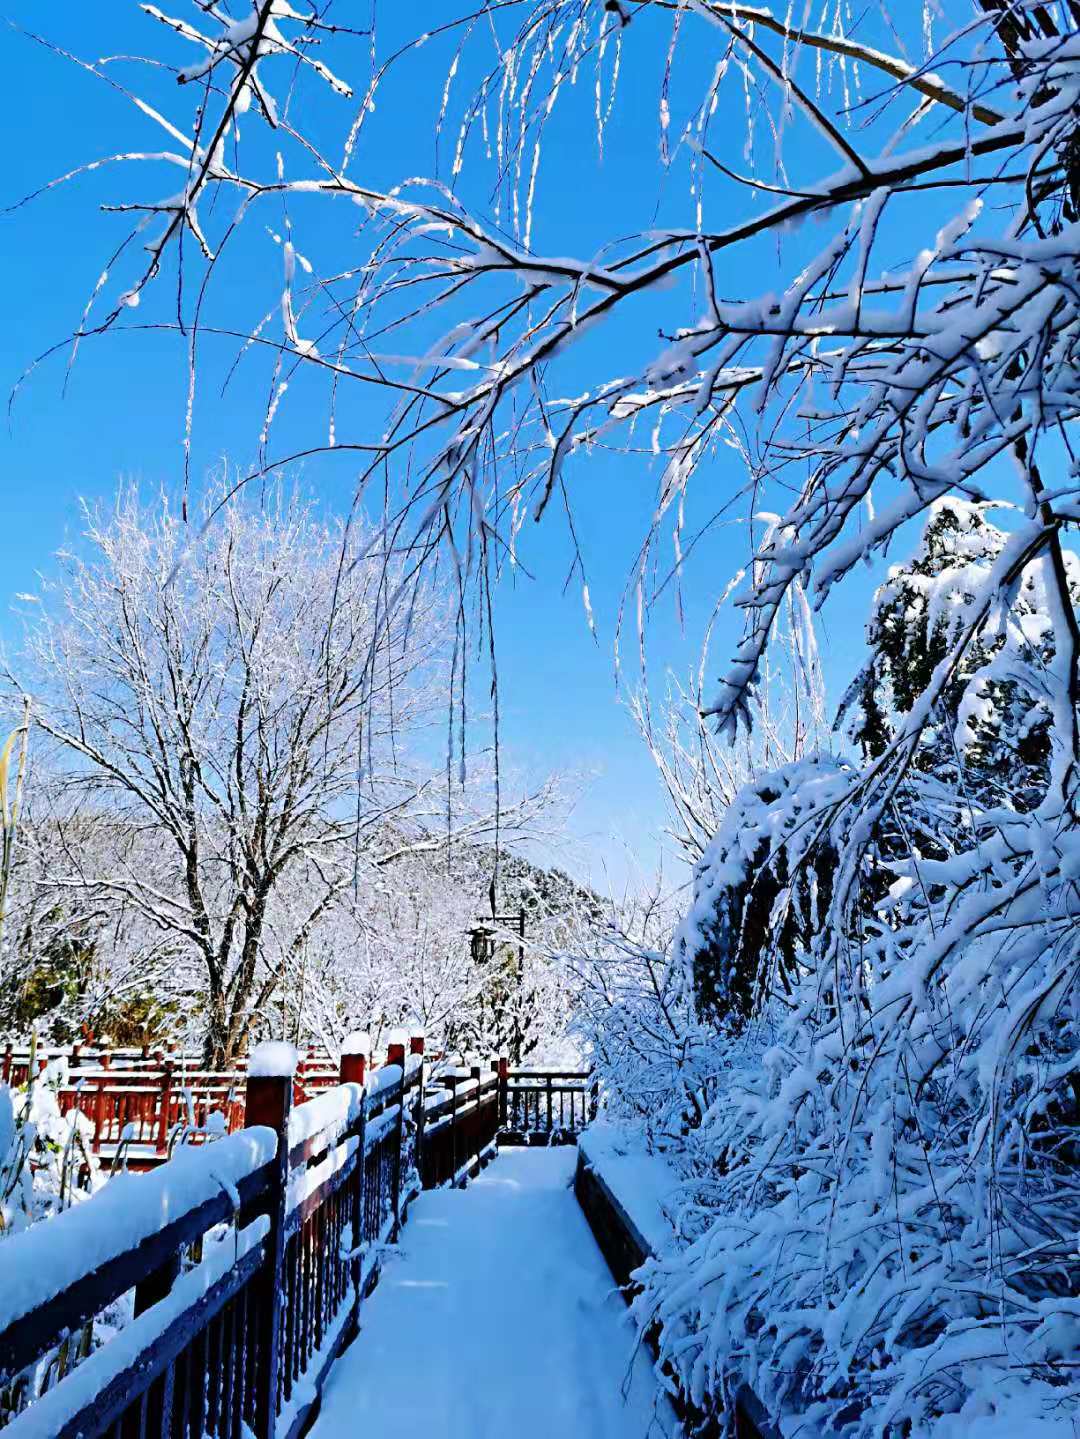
{"x": 498, "y": 1321}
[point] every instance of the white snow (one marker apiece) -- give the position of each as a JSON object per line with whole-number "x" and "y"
{"x": 273, "y": 1059}
{"x": 644, "y": 1184}
{"x": 358, "y": 1042}
{"x": 384, "y": 1078}
{"x": 330, "y": 1111}
{"x": 46, "y": 1258}
{"x": 499, "y": 1318}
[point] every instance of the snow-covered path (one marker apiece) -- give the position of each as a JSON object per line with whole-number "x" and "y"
{"x": 498, "y": 1321}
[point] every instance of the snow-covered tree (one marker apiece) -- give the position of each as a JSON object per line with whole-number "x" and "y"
{"x": 233, "y": 738}
{"x": 895, "y": 1235}
{"x": 419, "y": 946}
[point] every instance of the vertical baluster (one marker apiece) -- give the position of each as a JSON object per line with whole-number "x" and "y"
{"x": 213, "y": 1375}
{"x": 195, "y": 1397}
{"x": 288, "y": 1352}
{"x": 225, "y": 1423}
{"x": 164, "y": 1098}
{"x": 308, "y": 1307}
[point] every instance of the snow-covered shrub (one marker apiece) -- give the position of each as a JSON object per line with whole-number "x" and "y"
{"x": 894, "y": 1232}
{"x": 46, "y": 1163}
{"x": 16, "y": 1183}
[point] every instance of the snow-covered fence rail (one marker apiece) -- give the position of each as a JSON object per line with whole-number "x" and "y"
{"x": 243, "y": 1262}
{"x": 461, "y": 1123}
{"x": 198, "y": 1291}
{"x": 537, "y": 1105}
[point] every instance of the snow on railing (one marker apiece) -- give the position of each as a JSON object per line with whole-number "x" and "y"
{"x": 137, "y": 1105}
{"x": 242, "y": 1263}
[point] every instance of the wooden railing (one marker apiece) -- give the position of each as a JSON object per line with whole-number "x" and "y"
{"x": 316, "y": 1068}
{"x": 460, "y": 1124}
{"x": 137, "y": 1105}
{"x": 541, "y": 1106}
{"x": 245, "y": 1261}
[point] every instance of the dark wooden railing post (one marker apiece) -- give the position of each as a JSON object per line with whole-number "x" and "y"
{"x": 76, "y": 1055}
{"x": 355, "y": 1052}
{"x": 452, "y": 1081}
{"x": 395, "y": 1054}
{"x": 5, "y": 1074}
{"x": 594, "y": 1099}
{"x": 504, "y": 1088}
{"x": 476, "y": 1072}
{"x": 416, "y": 1046}
{"x": 269, "y": 1101}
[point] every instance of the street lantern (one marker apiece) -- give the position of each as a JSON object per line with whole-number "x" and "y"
{"x": 481, "y": 945}
{"x": 482, "y": 948}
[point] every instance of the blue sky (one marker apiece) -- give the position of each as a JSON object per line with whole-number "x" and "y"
{"x": 121, "y": 413}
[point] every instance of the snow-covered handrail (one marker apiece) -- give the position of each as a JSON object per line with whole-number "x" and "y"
{"x": 288, "y": 1217}
{"x": 56, "y": 1275}
{"x": 215, "y": 1246}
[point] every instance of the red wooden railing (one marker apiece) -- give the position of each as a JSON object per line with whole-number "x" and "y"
{"x": 245, "y": 1261}
{"x": 138, "y": 1104}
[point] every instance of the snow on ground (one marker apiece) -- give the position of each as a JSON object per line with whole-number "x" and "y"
{"x": 646, "y": 1185}
{"x": 498, "y": 1318}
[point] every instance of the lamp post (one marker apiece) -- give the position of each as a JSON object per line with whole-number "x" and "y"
{"x": 482, "y": 952}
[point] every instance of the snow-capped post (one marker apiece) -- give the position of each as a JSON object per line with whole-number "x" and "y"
{"x": 395, "y": 1054}
{"x": 105, "y": 1057}
{"x": 271, "y": 1068}
{"x": 395, "y": 1047}
{"x": 355, "y": 1053}
{"x": 76, "y": 1053}
{"x": 503, "y": 1070}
